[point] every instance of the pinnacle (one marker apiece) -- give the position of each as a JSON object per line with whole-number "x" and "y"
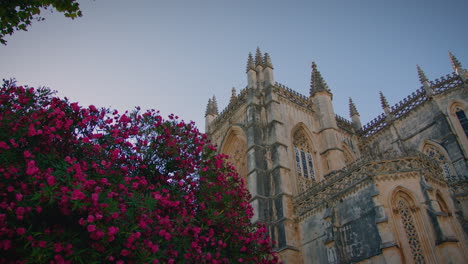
{"x": 383, "y": 101}
{"x": 258, "y": 57}
{"x": 352, "y": 108}
{"x": 455, "y": 63}
{"x": 233, "y": 94}
{"x": 250, "y": 63}
{"x": 267, "y": 60}
{"x": 215, "y": 105}
{"x": 212, "y": 107}
{"x": 208, "y": 107}
{"x": 422, "y": 76}
{"x": 317, "y": 83}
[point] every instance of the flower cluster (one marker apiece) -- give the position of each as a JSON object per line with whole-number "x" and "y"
{"x": 83, "y": 185}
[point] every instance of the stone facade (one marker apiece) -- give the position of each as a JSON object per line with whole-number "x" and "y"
{"x": 333, "y": 191}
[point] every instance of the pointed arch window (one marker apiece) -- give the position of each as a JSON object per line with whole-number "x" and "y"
{"x": 439, "y": 155}
{"x": 407, "y": 221}
{"x": 303, "y": 155}
{"x": 235, "y": 146}
{"x": 463, "y": 120}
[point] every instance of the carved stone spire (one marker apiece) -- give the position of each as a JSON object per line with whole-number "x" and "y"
{"x": 422, "y": 76}
{"x": 258, "y": 57}
{"x": 425, "y": 82}
{"x": 317, "y": 84}
{"x": 208, "y": 107}
{"x": 352, "y": 108}
{"x": 250, "y": 63}
{"x": 214, "y": 105}
{"x": 385, "y": 106}
{"x": 267, "y": 60}
{"x": 455, "y": 63}
{"x": 383, "y": 101}
{"x": 354, "y": 114}
{"x": 233, "y": 95}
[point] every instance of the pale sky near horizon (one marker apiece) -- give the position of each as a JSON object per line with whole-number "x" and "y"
{"x": 174, "y": 55}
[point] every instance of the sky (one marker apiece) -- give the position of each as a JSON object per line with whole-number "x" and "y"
{"x": 174, "y": 55}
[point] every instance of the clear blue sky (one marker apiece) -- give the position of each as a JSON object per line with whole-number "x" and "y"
{"x": 174, "y": 55}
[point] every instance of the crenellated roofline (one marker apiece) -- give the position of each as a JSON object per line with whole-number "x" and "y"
{"x": 412, "y": 101}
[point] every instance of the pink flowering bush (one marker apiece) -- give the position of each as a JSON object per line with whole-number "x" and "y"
{"x": 87, "y": 185}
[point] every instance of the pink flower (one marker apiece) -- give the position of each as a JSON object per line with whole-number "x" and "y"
{"x": 31, "y": 168}
{"x": 112, "y": 230}
{"x": 94, "y": 198}
{"x": 4, "y": 145}
{"x": 42, "y": 244}
{"x": 20, "y": 231}
{"x": 58, "y": 247}
{"x": 51, "y": 180}
{"x": 27, "y": 154}
{"x": 78, "y": 195}
{"x": 19, "y": 211}
{"x": 91, "y": 228}
{"x": 90, "y": 218}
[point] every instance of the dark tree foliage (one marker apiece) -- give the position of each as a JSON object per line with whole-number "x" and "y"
{"x": 18, "y": 14}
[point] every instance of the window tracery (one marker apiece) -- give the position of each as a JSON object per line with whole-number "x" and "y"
{"x": 304, "y": 159}
{"x": 436, "y": 153}
{"x": 407, "y": 220}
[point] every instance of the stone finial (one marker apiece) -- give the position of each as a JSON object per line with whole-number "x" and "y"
{"x": 455, "y": 63}
{"x": 425, "y": 82}
{"x": 422, "y": 76}
{"x": 250, "y": 63}
{"x": 383, "y": 101}
{"x": 233, "y": 94}
{"x": 208, "y": 107}
{"x": 267, "y": 60}
{"x": 258, "y": 57}
{"x": 352, "y": 108}
{"x": 317, "y": 83}
{"x": 212, "y": 107}
{"x": 215, "y": 105}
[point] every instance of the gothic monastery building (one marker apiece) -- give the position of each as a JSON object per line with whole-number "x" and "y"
{"x": 330, "y": 190}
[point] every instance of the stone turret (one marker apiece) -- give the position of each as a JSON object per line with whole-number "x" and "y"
{"x": 424, "y": 81}
{"x": 251, "y": 73}
{"x": 354, "y": 114}
{"x": 211, "y": 112}
{"x": 457, "y": 67}
{"x": 321, "y": 97}
{"x": 268, "y": 71}
{"x": 259, "y": 66}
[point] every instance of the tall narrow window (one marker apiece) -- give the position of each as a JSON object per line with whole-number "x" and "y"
{"x": 311, "y": 165}
{"x": 304, "y": 164}
{"x": 298, "y": 161}
{"x": 463, "y": 120}
{"x": 407, "y": 221}
{"x": 303, "y": 155}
